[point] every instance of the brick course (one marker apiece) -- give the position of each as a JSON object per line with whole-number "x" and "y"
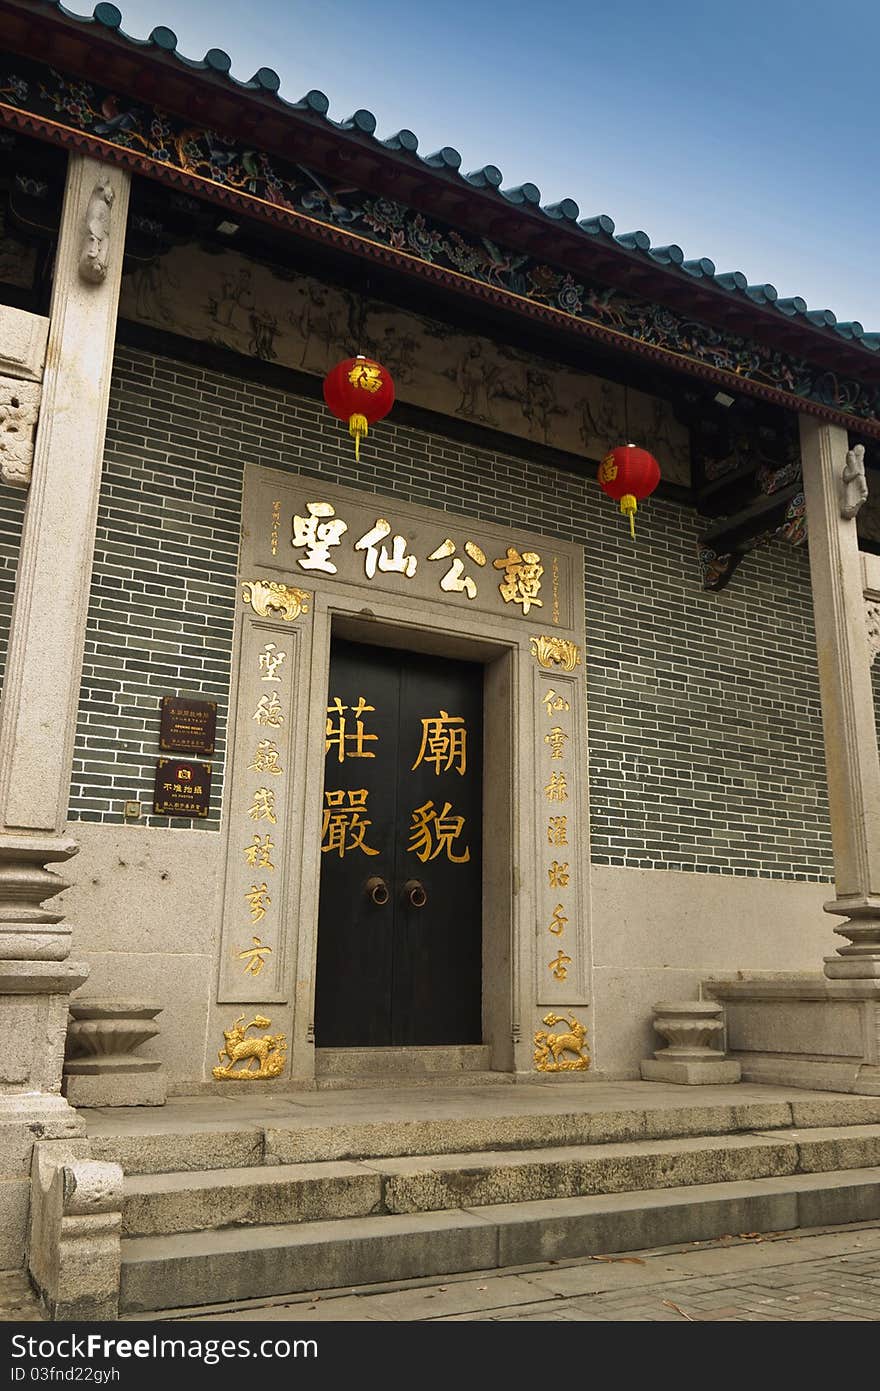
{"x": 705, "y": 727}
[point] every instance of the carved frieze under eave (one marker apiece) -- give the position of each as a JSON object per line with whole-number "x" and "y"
{"x": 19, "y": 410}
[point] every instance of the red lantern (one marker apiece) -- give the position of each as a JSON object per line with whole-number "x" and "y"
{"x": 360, "y": 391}
{"x": 629, "y": 474}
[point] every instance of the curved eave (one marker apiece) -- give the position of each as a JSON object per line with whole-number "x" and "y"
{"x": 154, "y": 72}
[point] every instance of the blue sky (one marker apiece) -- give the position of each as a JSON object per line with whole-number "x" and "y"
{"x": 747, "y": 133}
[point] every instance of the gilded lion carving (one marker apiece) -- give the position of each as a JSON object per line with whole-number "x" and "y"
{"x": 550, "y": 1048}
{"x": 269, "y": 1052}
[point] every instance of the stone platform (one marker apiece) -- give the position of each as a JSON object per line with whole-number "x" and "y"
{"x": 231, "y": 1198}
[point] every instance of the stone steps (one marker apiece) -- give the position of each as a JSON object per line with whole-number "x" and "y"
{"x": 164, "y": 1204}
{"x": 177, "y": 1140}
{"x": 193, "y": 1269}
{"x": 402, "y": 1064}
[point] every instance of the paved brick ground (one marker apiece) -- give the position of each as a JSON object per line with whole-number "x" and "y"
{"x": 828, "y": 1275}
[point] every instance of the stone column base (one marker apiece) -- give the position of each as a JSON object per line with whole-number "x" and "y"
{"x": 803, "y": 1031}
{"x": 694, "y": 1072}
{"x": 100, "y": 1069}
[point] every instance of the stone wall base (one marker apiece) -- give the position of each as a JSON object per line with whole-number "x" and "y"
{"x": 803, "y": 1031}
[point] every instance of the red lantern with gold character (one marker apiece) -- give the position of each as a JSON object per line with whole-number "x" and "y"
{"x": 360, "y": 391}
{"x": 629, "y": 474}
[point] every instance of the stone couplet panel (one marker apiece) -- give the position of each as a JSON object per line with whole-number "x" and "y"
{"x": 319, "y": 561}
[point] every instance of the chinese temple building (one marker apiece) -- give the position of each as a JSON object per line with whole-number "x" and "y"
{"x": 397, "y": 759}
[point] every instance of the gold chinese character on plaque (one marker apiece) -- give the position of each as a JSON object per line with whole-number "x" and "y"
{"x": 557, "y": 788}
{"x": 258, "y": 853}
{"x": 268, "y": 711}
{"x": 522, "y": 578}
{"x": 558, "y": 875}
{"x": 270, "y": 659}
{"x": 432, "y": 832}
{"x": 444, "y": 741}
{"x": 258, "y": 900}
{"x": 455, "y": 581}
{"x": 551, "y": 701}
{"x": 559, "y": 966}
{"x": 558, "y": 921}
{"x": 398, "y": 562}
{"x": 254, "y": 957}
{"x": 556, "y": 739}
{"x": 344, "y": 828}
{"x": 557, "y": 830}
{"x": 263, "y": 807}
{"x": 336, "y": 736}
{"x": 316, "y": 533}
{"x": 265, "y": 759}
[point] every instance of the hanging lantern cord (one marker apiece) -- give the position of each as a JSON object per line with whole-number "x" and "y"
{"x": 629, "y": 507}
{"x": 358, "y": 427}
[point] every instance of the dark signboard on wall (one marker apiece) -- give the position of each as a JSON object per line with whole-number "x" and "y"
{"x": 188, "y": 725}
{"x": 182, "y": 788}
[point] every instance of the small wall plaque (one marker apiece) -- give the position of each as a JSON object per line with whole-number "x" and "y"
{"x": 182, "y": 788}
{"x": 188, "y": 724}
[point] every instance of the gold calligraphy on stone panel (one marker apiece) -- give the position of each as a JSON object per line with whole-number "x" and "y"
{"x": 265, "y": 760}
{"x": 258, "y": 900}
{"x": 344, "y": 829}
{"x": 398, "y": 562}
{"x": 553, "y": 702}
{"x": 270, "y": 659}
{"x": 555, "y": 608}
{"x": 551, "y": 1048}
{"x": 316, "y": 534}
{"x": 553, "y": 651}
{"x": 254, "y": 957}
{"x": 559, "y": 965}
{"x": 269, "y": 1052}
{"x": 276, "y": 523}
{"x": 558, "y": 875}
{"x": 522, "y": 578}
{"x": 444, "y": 742}
{"x": 455, "y": 581}
{"x": 263, "y": 806}
{"x": 557, "y": 788}
{"x": 258, "y": 853}
{"x": 269, "y": 711}
{"x": 268, "y": 596}
{"x": 338, "y": 735}
{"x": 558, "y": 921}
{"x": 557, "y": 830}
{"x": 433, "y": 832}
{"x": 556, "y": 739}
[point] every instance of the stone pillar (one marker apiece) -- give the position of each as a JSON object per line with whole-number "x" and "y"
{"x": 849, "y": 727}
{"x": 43, "y": 670}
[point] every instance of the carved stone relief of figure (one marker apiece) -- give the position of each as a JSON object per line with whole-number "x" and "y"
{"x": 19, "y": 408}
{"x": 96, "y": 243}
{"x": 855, "y": 486}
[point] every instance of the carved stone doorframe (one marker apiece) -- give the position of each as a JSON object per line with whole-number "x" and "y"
{"x": 536, "y": 944}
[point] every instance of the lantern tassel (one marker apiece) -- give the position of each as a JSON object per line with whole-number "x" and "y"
{"x": 629, "y": 506}
{"x": 357, "y": 427}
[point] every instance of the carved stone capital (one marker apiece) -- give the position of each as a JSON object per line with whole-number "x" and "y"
{"x": 95, "y": 253}
{"x": 855, "y": 486}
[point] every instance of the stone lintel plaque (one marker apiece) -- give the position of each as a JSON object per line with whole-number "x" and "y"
{"x": 182, "y": 788}
{"x": 188, "y": 725}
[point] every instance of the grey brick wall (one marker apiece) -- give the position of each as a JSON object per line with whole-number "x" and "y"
{"x": 705, "y": 734}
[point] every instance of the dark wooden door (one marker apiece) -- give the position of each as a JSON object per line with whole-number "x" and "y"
{"x": 399, "y": 935}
